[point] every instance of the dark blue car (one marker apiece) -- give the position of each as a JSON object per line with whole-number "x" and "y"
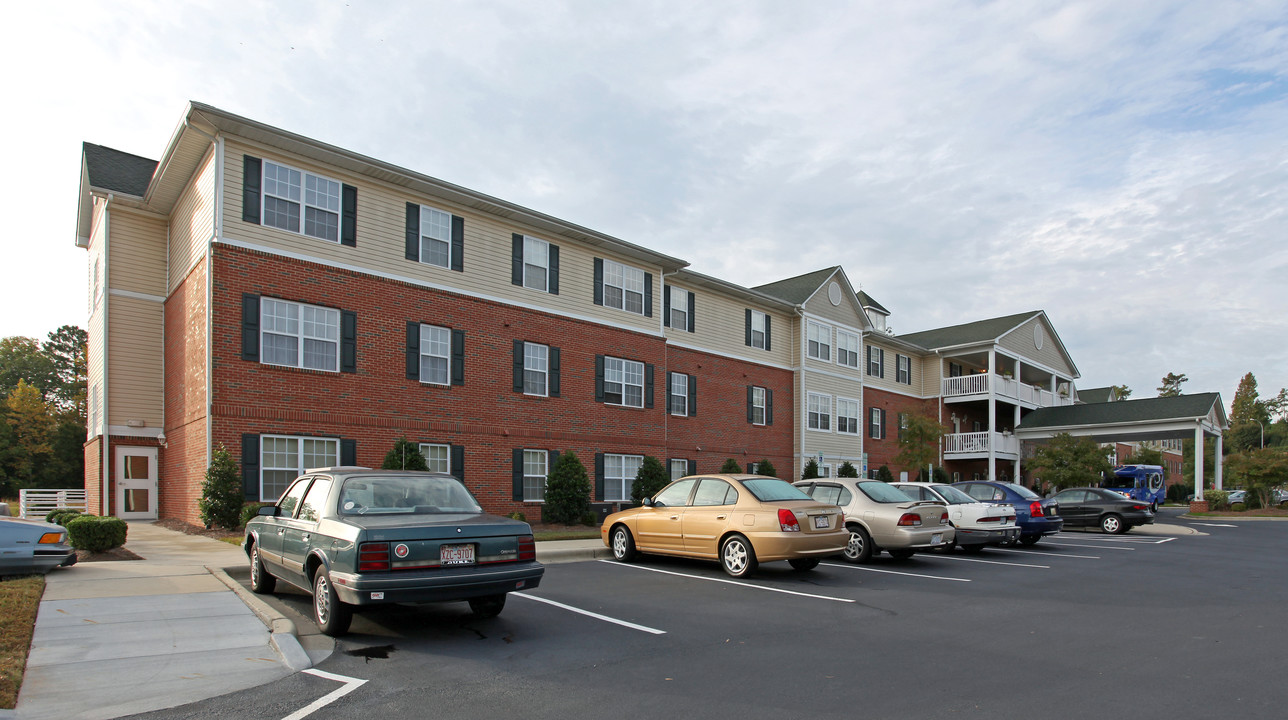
{"x": 1035, "y": 516}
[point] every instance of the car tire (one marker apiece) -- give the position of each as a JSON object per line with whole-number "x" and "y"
{"x": 1153, "y": 507}
{"x": 973, "y": 549}
{"x": 1030, "y": 539}
{"x": 737, "y": 557}
{"x": 623, "y": 544}
{"x": 803, "y": 564}
{"x": 488, "y": 606}
{"x": 260, "y": 581}
{"x": 1113, "y": 524}
{"x": 859, "y": 549}
{"x": 902, "y": 553}
{"x": 331, "y": 615}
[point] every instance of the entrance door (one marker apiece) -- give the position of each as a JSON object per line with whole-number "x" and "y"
{"x": 136, "y": 483}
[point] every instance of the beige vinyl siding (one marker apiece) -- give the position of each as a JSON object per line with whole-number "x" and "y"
{"x": 192, "y": 223}
{"x": 381, "y": 244}
{"x": 135, "y": 360}
{"x": 94, "y": 329}
{"x": 831, "y": 442}
{"x": 138, "y": 253}
{"x": 932, "y": 374}
{"x": 720, "y": 327}
{"x": 890, "y": 380}
{"x": 847, "y": 314}
{"x": 1020, "y": 342}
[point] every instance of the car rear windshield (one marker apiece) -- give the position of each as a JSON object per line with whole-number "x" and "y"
{"x": 1024, "y": 492}
{"x": 773, "y": 490}
{"x": 883, "y": 493}
{"x": 397, "y": 494}
{"x": 953, "y": 495}
{"x": 1119, "y": 482}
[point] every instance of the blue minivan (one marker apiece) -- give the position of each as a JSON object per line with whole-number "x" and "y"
{"x": 1035, "y": 516}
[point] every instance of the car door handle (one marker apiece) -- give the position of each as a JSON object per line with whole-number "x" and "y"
{"x": 720, "y": 517}
{"x": 675, "y": 517}
{"x": 306, "y": 536}
{"x": 281, "y": 531}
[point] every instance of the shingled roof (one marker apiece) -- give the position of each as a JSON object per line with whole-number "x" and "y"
{"x": 866, "y": 301}
{"x": 980, "y": 331}
{"x": 798, "y": 289}
{"x": 117, "y": 171}
{"x": 1180, "y": 407}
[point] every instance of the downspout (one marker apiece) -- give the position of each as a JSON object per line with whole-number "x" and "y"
{"x": 799, "y": 338}
{"x": 666, "y": 393}
{"x": 105, "y": 470}
{"x": 210, "y": 292}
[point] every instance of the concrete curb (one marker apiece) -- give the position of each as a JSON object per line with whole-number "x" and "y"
{"x": 284, "y": 636}
{"x": 567, "y": 555}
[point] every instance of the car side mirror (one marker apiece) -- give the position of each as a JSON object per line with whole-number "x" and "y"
{"x": 647, "y": 502}
{"x": 270, "y": 511}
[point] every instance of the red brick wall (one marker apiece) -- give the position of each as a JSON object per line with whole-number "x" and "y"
{"x": 94, "y": 476}
{"x": 183, "y": 460}
{"x": 882, "y": 452}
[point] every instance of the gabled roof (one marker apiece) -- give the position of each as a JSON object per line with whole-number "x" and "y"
{"x": 117, "y": 171}
{"x": 1149, "y": 410}
{"x": 1096, "y": 395}
{"x": 797, "y": 290}
{"x": 867, "y": 301}
{"x": 980, "y": 331}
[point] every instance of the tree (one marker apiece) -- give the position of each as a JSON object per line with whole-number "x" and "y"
{"x": 404, "y": 455}
{"x": 730, "y": 466}
{"x": 21, "y": 359}
{"x": 884, "y": 474}
{"x": 1260, "y": 470}
{"x": 1171, "y": 386}
{"x": 919, "y": 441}
{"x": 650, "y": 478}
{"x": 567, "y": 498}
{"x": 810, "y": 471}
{"x": 221, "y": 492}
{"x": 1245, "y": 408}
{"x": 32, "y": 428}
{"x": 766, "y": 468}
{"x": 67, "y": 351}
{"x": 1277, "y": 406}
{"x": 1145, "y": 455}
{"x": 1119, "y": 392}
{"x": 1209, "y": 461}
{"x": 847, "y": 470}
{"x": 1066, "y": 461}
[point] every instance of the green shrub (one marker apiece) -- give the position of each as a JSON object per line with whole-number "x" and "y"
{"x": 590, "y": 519}
{"x": 518, "y": 516}
{"x": 730, "y": 466}
{"x": 250, "y": 510}
{"x": 1217, "y": 499}
{"x": 221, "y": 492}
{"x": 1178, "y": 492}
{"x": 96, "y": 534}
{"x": 766, "y": 468}
{"x": 810, "y": 471}
{"x": 847, "y": 470}
{"x": 567, "y": 491}
{"x": 404, "y": 455}
{"x": 884, "y": 474}
{"x": 62, "y": 516}
{"x": 652, "y": 476}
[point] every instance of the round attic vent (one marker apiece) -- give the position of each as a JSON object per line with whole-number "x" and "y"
{"x": 1037, "y": 336}
{"x": 834, "y": 293}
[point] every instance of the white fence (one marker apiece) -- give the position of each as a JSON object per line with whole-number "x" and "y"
{"x": 978, "y": 442}
{"x": 38, "y": 503}
{"x": 978, "y": 384}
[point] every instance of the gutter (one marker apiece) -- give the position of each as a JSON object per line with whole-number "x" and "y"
{"x": 106, "y": 462}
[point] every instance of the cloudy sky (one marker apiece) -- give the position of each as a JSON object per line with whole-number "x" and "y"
{"x": 1121, "y": 165}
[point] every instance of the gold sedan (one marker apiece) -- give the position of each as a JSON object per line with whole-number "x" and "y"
{"x": 740, "y": 520}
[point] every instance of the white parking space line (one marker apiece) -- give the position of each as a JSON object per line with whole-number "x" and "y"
{"x": 614, "y": 563}
{"x": 350, "y": 684}
{"x": 1093, "y": 547}
{"x": 1061, "y": 555}
{"x": 896, "y": 572}
{"x": 993, "y": 562}
{"x": 1116, "y": 538}
{"x": 1214, "y": 524}
{"x": 597, "y": 616}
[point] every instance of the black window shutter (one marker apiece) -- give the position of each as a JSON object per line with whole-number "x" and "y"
{"x": 552, "y": 459}
{"x": 693, "y": 395}
{"x": 518, "y": 366}
{"x": 250, "y": 467}
{"x": 456, "y": 464}
{"x": 349, "y": 215}
{"x": 648, "y": 385}
{"x": 458, "y": 357}
{"x": 599, "y": 477}
{"x": 767, "y": 346}
{"x": 881, "y": 361}
{"x": 769, "y": 406}
{"x": 553, "y": 385}
{"x": 516, "y": 260}
{"x": 458, "y": 243}
{"x": 252, "y": 177}
{"x": 648, "y": 294}
{"x": 751, "y": 404}
{"x": 516, "y": 461}
{"x": 693, "y": 467}
{"x": 348, "y": 451}
{"x": 250, "y": 328}
{"x": 413, "y": 232}
{"x": 666, "y": 306}
{"x": 599, "y": 281}
{"x": 348, "y": 341}
{"x": 553, "y": 274}
{"x": 693, "y": 313}
{"x": 748, "y": 326}
{"x": 413, "y": 351}
{"x": 670, "y": 402}
{"x": 599, "y": 378}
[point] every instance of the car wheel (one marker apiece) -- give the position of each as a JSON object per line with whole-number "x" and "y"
{"x": 737, "y": 556}
{"x": 1153, "y": 507}
{"x": 803, "y": 564}
{"x": 1113, "y": 525}
{"x": 859, "y": 549}
{"x": 1030, "y": 539}
{"x": 332, "y": 616}
{"x": 260, "y": 581}
{"x": 973, "y": 549}
{"x": 488, "y": 606}
{"x": 623, "y": 544}
{"x": 901, "y": 554}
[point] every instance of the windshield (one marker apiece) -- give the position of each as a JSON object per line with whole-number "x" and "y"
{"x": 1024, "y": 492}
{"x": 773, "y": 489}
{"x": 883, "y": 493}
{"x": 405, "y": 494}
{"x": 953, "y": 496}
{"x": 1118, "y": 481}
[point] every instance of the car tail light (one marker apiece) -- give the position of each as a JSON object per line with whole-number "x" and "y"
{"x": 943, "y": 519}
{"x": 910, "y": 520}
{"x": 990, "y": 519}
{"x": 1035, "y": 509}
{"x": 527, "y": 548}
{"x": 1139, "y": 507}
{"x": 787, "y": 521}
{"x": 51, "y": 538}
{"x": 373, "y": 556}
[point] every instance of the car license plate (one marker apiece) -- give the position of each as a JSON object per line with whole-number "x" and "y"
{"x": 822, "y": 522}
{"x": 456, "y": 554}
{"x": 937, "y": 538}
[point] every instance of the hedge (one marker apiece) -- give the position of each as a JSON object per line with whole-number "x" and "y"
{"x": 96, "y": 534}
{"x": 62, "y": 516}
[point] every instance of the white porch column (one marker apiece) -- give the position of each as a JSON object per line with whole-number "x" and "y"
{"x": 992, "y": 414}
{"x": 1198, "y": 462}
{"x": 1216, "y": 460}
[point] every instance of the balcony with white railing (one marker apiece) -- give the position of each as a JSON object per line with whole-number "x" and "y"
{"x": 975, "y": 386}
{"x": 976, "y": 444}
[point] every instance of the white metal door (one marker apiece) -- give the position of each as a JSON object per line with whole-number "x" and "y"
{"x": 136, "y": 483}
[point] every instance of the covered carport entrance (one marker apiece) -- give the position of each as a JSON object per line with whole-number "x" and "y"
{"x": 1183, "y": 417}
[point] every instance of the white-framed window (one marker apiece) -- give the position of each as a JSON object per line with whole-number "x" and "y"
{"x": 624, "y": 287}
{"x": 820, "y": 340}
{"x": 957, "y": 477}
{"x": 847, "y": 416}
{"x": 847, "y": 349}
{"x": 435, "y": 237}
{"x": 438, "y": 456}
{"x": 758, "y": 396}
{"x": 298, "y": 335}
{"x": 282, "y": 458}
{"x": 536, "y": 466}
{"x": 536, "y": 264}
{"x": 819, "y": 410}
{"x": 623, "y": 382}
{"x": 93, "y": 410}
{"x": 536, "y": 369}
{"x": 679, "y": 394}
{"x": 824, "y": 471}
{"x": 903, "y": 369}
{"x": 619, "y": 473}
{"x": 287, "y": 192}
{"x": 679, "y": 309}
{"x": 679, "y": 468}
{"x": 759, "y": 329}
{"x": 876, "y": 423}
{"x": 876, "y": 361}
{"x": 435, "y": 355}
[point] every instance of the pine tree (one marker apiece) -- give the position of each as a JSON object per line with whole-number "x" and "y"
{"x": 652, "y": 476}
{"x": 731, "y": 466}
{"x": 404, "y": 455}
{"x": 567, "y": 498}
{"x": 221, "y": 492}
{"x": 810, "y": 471}
{"x": 766, "y": 468}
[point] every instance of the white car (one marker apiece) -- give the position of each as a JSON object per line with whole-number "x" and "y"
{"x": 978, "y": 524}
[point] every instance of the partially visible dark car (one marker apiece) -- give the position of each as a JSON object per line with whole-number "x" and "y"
{"x": 1111, "y": 512}
{"x": 1035, "y": 516}
{"x": 31, "y": 547}
{"x": 354, "y": 536}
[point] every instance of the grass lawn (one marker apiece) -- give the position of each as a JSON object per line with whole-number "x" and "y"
{"x": 588, "y": 534}
{"x": 19, "y": 600}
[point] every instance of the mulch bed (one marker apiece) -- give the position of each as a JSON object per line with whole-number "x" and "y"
{"x": 118, "y": 553}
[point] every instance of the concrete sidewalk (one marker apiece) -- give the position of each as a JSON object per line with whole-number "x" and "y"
{"x": 127, "y": 637}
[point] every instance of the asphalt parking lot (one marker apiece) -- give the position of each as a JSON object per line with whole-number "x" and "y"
{"x": 1080, "y": 625}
